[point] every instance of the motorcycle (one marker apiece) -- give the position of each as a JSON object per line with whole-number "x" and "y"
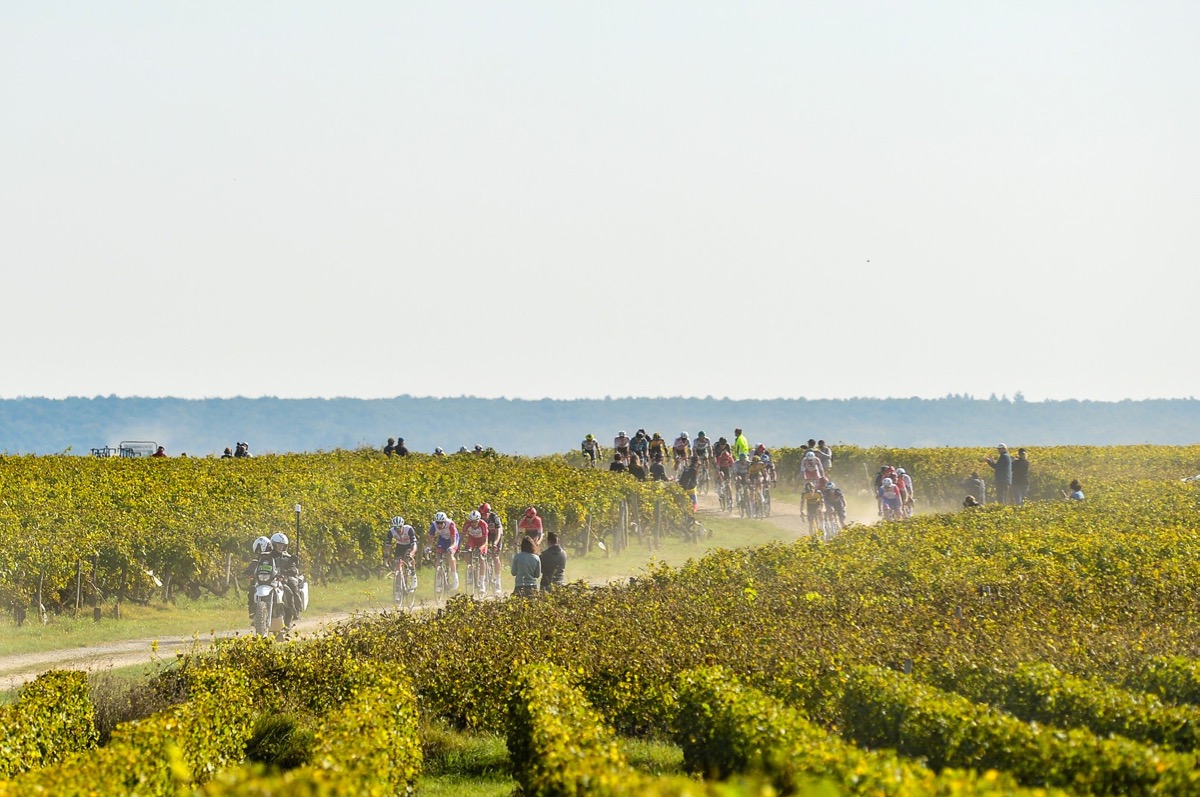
{"x": 270, "y": 598}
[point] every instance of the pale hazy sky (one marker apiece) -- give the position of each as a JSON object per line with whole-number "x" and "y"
{"x": 564, "y": 199}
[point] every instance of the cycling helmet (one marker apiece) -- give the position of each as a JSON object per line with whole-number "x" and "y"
{"x": 279, "y": 538}
{"x": 683, "y": 434}
{"x": 621, "y": 433}
{"x": 485, "y": 508}
{"x": 438, "y": 450}
{"x": 440, "y": 517}
{"x": 743, "y": 455}
{"x": 701, "y": 434}
{"x": 478, "y": 448}
{"x": 887, "y": 482}
{"x": 831, "y": 485}
{"x": 900, "y": 471}
{"x": 462, "y": 449}
{"x": 759, "y": 448}
{"x": 589, "y": 437}
{"x": 474, "y": 515}
{"x": 530, "y": 512}
{"x": 397, "y": 522}
{"x": 262, "y": 545}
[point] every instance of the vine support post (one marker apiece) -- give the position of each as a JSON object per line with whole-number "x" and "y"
{"x": 228, "y": 569}
{"x": 95, "y": 587}
{"x": 41, "y": 606}
{"x": 78, "y": 586}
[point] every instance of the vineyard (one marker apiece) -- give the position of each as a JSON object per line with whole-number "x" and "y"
{"x": 1048, "y": 649}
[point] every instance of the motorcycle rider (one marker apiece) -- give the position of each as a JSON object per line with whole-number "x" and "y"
{"x": 288, "y": 567}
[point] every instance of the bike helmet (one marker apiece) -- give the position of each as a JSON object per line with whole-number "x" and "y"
{"x": 701, "y": 434}
{"x": 683, "y": 434}
{"x": 900, "y": 471}
{"x": 262, "y": 545}
{"x": 485, "y": 508}
{"x": 397, "y": 522}
{"x": 279, "y": 538}
{"x": 530, "y": 512}
{"x": 474, "y": 515}
{"x": 438, "y": 450}
{"x": 887, "y": 482}
{"x": 440, "y": 517}
{"x": 589, "y": 437}
{"x": 621, "y": 433}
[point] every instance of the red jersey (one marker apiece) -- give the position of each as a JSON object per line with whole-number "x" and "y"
{"x": 476, "y": 532}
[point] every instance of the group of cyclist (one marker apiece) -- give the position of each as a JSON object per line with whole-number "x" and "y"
{"x": 483, "y": 532}
{"x": 894, "y": 493}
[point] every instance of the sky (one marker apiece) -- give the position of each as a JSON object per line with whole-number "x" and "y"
{"x": 580, "y": 200}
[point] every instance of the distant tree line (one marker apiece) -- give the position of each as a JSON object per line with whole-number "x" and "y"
{"x": 202, "y": 427}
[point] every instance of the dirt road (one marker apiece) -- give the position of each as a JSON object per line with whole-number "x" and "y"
{"x": 16, "y": 670}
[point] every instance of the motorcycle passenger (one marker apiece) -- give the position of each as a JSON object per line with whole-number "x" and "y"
{"x": 288, "y": 566}
{"x": 401, "y": 547}
{"x": 444, "y": 536}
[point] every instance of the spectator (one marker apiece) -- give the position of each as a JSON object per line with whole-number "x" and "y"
{"x": 975, "y": 488}
{"x": 161, "y": 452}
{"x": 526, "y": 569}
{"x": 241, "y": 450}
{"x": 687, "y": 480}
{"x": 658, "y": 472}
{"x": 228, "y": 453}
{"x": 617, "y": 466}
{"x": 400, "y": 449}
{"x": 970, "y": 502}
{"x": 825, "y": 454}
{"x": 1002, "y": 471}
{"x": 1076, "y": 493}
{"x": 1020, "y": 478}
{"x": 636, "y": 469}
{"x": 554, "y": 564}
{"x": 390, "y": 448}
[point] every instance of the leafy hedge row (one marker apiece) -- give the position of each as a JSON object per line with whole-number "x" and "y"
{"x": 367, "y": 746}
{"x": 52, "y": 717}
{"x": 1043, "y": 693}
{"x": 726, "y": 728}
{"x": 161, "y": 754}
{"x": 886, "y": 709}
{"x": 1175, "y": 679}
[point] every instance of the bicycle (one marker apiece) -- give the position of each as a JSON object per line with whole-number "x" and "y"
{"x": 703, "y": 478}
{"x": 404, "y": 583}
{"x": 724, "y": 496}
{"x": 477, "y": 570}
{"x": 444, "y": 578}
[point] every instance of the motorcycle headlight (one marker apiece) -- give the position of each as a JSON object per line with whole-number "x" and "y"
{"x": 264, "y": 578}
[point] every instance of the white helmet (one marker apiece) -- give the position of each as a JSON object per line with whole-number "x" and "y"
{"x": 887, "y": 482}
{"x": 262, "y": 545}
{"x": 397, "y": 522}
{"x": 810, "y": 455}
{"x": 475, "y": 515}
{"x": 621, "y": 433}
{"x": 900, "y": 471}
{"x": 440, "y": 517}
{"x": 279, "y": 538}
{"x": 683, "y": 434}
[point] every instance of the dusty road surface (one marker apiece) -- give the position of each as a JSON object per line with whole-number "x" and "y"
{"x": 19, "y": 669}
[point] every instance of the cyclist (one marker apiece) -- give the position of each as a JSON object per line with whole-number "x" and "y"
{"x": 591, "y": 449}
{"x": 687, "y": 480}
{"x": 814, "y": 505}
{"x": 621, "y": 444}
{"x": 658, "y": 446}
{"x": 722, "y": 445}
{"x": 835, "y": 503}
{"x": 531, "y": 525}
{"x": 702, "y": 447}
{"x": 906, "y": 484}
{"x": 890, "y": 499}
{"x": 724, "y": 462}
{"x": 495, "y": 540}
{"x": 444, "y": 536}
{"x": 640, "y": 445}
{"x": 762, "y": 453}
{"x": 810, "y": 467}
{"x": 400, "y": 549}
{"x": 475, "y": 530}
{"x": 682, "y": 448}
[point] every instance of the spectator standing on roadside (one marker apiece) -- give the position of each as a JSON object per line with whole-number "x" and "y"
{"x": 975, "y": 488}
{"x": 617, "y": 466}
{"x": 554, "y": 564}
{"x": 740, "y": 444}
{"x": 526, "y": 570}
{"x": 228, "y": 453}
{"x": 658, "y": 472}
{"x": 390, "y": 448}
{"x": 160, "y": 452}
{"x": 636, "y": 469}
{"x": 400, "y": 450}
{"x": 1020, "y": 478}
{"x": 1002, "y": 471}
{"x": 825, "y": 454}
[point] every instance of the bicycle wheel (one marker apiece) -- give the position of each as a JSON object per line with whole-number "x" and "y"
{"x": 439, "y": 583}
{"x": 766, "y": 503}
{"x": 702, "y": 485}
{"x": 399, "y": 585}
